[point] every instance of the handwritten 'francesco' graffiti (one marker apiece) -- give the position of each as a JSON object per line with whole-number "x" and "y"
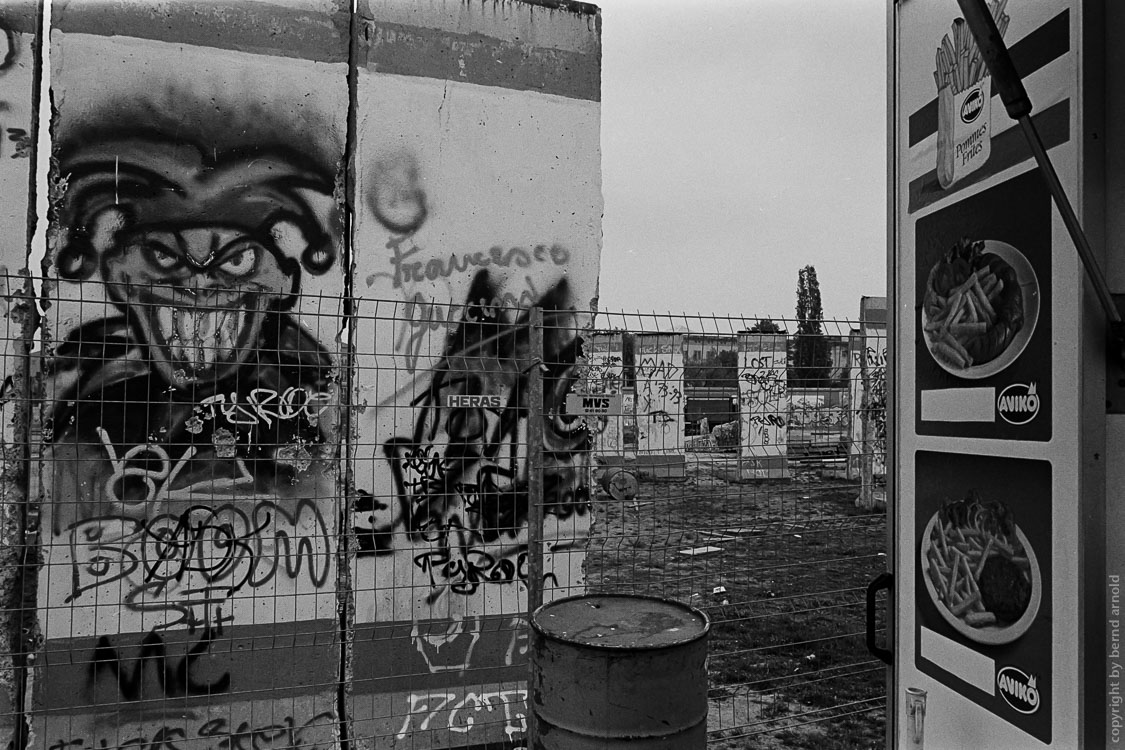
{"x": 231, "y": 545}
{"x": 414, "y": 271}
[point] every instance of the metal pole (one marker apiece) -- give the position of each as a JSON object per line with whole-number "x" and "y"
{"x": 534, "y": 501}
{"x": 1070, "y": 219}
{"x": 535, "y": 465}
{"x": 1016, "y": 102}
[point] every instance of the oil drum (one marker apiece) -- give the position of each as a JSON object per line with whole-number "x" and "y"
{"x": 616, "y": 672}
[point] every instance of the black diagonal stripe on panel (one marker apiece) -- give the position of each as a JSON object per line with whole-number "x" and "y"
{"x": 1048, "y": 42}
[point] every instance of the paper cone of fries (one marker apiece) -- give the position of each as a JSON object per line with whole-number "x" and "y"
{"x": 964, "y": 135}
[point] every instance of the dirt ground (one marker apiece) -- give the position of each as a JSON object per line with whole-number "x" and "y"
{"x": 781, "y": 568}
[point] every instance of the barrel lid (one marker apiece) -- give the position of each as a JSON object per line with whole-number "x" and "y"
{"x": 620, "y": 621}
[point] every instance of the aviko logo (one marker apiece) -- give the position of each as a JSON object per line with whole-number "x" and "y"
{"x": 972, "y": 106}
{"x": 1018, "y": 403}
{"x": 1018, "y": 689}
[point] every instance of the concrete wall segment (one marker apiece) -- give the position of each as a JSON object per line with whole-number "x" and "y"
{"x": 19, "y": 78}
{"x": 192, "y": 357}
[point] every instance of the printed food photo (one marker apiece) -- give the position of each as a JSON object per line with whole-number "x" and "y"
{"x": 979, "y": 308}
{"x": 980, "y": 571}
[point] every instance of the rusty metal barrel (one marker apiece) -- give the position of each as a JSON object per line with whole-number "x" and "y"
{"x": 619, "y": 483}
{"x": 615, "y": 672}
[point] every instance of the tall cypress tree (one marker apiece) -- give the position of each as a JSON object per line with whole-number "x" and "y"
{"x": 812, "y": 365}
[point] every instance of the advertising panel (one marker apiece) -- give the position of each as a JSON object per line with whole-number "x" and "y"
{"x": 987, "y": 328}
{"x": 983, "y": 582}
{"x": 984, "y": 329}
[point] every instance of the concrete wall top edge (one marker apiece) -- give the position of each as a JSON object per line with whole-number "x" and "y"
{"x": 20, "y": 15}
{"x": 318, "y": 30}
{"x": 546, "y": 24}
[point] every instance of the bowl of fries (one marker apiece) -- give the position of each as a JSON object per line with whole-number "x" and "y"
{"x": 964, "y": 557}
{"x": 980, "y": 308}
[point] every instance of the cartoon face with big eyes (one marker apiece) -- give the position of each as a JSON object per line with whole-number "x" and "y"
{"x": 195, "y": 248}
{"x": 198, "y": 295}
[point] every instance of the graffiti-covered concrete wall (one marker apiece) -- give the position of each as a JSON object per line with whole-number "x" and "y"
{"x": 192, "y": 397}
{"x": 286, "y": 360}
{"x": 867, "y": 348}
{"x": 763, "y": 394}
{"x": 660, "y": 394}
{"x": 605, "y": 374}
{"x": 477, "y": 196}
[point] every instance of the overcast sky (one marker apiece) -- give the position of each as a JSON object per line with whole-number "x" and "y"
{"x": 741, "y": 141}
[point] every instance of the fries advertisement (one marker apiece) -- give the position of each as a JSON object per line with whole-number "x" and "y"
{"x": 980, "y": 571}
{"x": 964, "y": 136}
{"x": 976, "y": 318}
{"x": 983, "y": 295}
{"x": 983, "y": 577}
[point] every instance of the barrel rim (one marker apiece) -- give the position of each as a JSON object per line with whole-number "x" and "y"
{"x": 703, "y": 632}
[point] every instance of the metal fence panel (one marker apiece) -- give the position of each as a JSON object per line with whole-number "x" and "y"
{"x": 772, "y": 522}
{"x": 320, "y": 407}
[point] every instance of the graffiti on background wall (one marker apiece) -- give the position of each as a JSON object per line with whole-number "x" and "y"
{"x": 812, "y": 413}
{"x": 763, "y": 396}
{"x": 659, "y": 397}
{"x": 460, "y": 485}
{"x": 869, "y": 397}
{"x": 604, "y": 372}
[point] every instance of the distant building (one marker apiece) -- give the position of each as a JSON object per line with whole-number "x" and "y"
{"x": 699, "y": 347}
{"x": 873, "y": 315}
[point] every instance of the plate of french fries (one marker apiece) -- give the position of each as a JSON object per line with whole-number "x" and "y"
{"x": 979, "y": 308}
{"x": 982, "y": 576}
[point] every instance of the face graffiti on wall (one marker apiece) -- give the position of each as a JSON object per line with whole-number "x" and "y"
{"x": 199, "y": 376}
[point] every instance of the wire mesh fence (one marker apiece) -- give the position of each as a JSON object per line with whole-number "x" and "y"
{"x": 764, "y": 506}
{"x": 258, "y": 519}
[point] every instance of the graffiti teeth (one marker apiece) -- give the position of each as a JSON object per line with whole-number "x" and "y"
{"x": 166, "y": 323}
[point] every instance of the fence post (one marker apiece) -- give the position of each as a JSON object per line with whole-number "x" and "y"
{"x": 535, "y": 465}
{"x": 866, "y": 499}
{"x": 534, "y": 497}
